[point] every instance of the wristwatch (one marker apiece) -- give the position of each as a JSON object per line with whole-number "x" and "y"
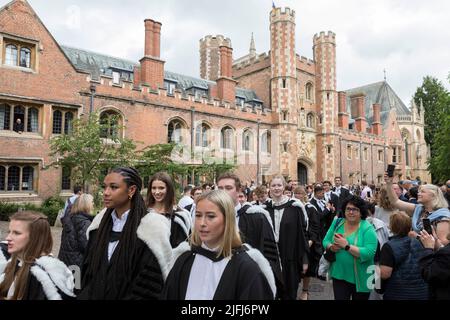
{"x": 347, "y": 247}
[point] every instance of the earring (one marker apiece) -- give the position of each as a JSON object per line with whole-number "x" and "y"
{"x": 129, "y": 197}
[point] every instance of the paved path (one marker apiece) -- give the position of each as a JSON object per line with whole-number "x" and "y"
{"x": 318, "y": 289}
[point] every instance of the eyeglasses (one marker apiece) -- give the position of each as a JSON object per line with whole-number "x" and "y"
{"x": 350, "y": 209}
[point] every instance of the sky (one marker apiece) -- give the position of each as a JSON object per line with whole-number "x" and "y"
{"x": 408, "y": 38}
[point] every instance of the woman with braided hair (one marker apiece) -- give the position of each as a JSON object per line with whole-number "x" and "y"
{"x": 129, "y": 251}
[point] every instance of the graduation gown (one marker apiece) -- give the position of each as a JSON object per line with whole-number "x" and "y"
{"x": 247, "y": 276}
{"x": 180, "y": 226}
{"x": 292, "y": 244}
{"x": 255, "y": 227}
{"x": 151, "y": 258}
{"x": 344, "y": 194}
{"x": 326, "y": 217}
{"x": 48, "y": 279}
{"x": 313, "y": 234}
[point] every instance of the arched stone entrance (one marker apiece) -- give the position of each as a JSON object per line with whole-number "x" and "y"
{"x": 302, "y": 173}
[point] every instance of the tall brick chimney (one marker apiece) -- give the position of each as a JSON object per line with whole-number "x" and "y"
{"x": 226, "y": 86}
{"x": 152, "y": 67}
{"x": 376, "y": 124}
{"x": 342, "y": 115}
{"x": 358, "y": 102}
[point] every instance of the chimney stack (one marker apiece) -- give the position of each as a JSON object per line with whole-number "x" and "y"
{"x": 358, "y": 102}
{"x": 376, "y": 124}
{"x": 152, "y": 67}
{"x": 226, "y": 86}
{"x": 342, "y": 115}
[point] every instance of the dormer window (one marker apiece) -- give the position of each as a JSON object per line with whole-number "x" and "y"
{"x": 240, "y": 102}
{"x": 116, "y": 77}
{"x": 197, "y": 91}
{"x": 170, "y": 87}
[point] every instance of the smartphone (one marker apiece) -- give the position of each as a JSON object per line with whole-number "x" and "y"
{"x": 427, "y": 226}
{"x": 390, "y": 170}
{"x": 368, "y": 194}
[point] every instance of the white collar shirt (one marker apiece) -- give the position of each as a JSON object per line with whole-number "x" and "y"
{"x": 118, "y": 225}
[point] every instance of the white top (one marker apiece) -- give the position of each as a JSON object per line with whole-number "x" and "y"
{"x": 72, "y": 200}
{"x": 118, "y": 225}
{"x": 278, "y": 215}
{"x": 327, "y": 196}
{"x": 337, "y": 191}
{"x": 185, "y": 201}
{"x": 12, "y": 288}
{"x": 205, "y": 277}
{"x": 383, "y": 215}
{"x": 320, "y": 203}
{"x": 364, "y": 192}
{"x": 193, "y": 209}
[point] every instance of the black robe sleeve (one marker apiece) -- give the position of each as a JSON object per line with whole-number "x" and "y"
{"x": 148, "y": 282}
{"x": 436, "y": 266}
{"x": 314, "y": 230}
{"x": 177, "y": 281}
{"x": 257, "y": 232}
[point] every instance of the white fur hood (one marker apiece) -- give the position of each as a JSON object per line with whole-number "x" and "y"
{"x": 53, "y": 274}
{"x": 260, "y": 209}
{"x": 154, "y": 230}
{"x": 264, "y": 265}
{"x": 3, "y": 262}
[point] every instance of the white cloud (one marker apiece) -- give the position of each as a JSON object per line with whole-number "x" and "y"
{"x": 408, "y": 38}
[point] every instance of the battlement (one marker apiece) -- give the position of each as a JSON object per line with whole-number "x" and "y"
{"x": 251, "y": 61}
{"x": 305, "y": 60}
{"x": 278, "y": 14}
{"x": 219, "y": 39}
{"x": 322, "y": 37}
{"x": 126, "y": 90}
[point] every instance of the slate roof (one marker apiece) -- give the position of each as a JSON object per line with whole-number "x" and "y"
{"x": 99, "y": 64}
{"x": 382, "y": 93}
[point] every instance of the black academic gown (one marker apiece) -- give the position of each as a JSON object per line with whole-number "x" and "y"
{"x": 344, "y": 194}
{"x": 326, "y": 217}
{"x": 180, "y": 228}
{"x": 241, "y": 280}
{"x": 144, "y": 282}
{"x": 256, "y": 230}
{"x": 313, "y": 234}
{"x": 292, "y": 245}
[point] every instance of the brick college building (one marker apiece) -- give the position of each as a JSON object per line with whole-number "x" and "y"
{"x": 275, "y": 112}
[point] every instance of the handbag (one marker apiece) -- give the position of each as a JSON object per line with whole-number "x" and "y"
{"x": 330, "y": 255}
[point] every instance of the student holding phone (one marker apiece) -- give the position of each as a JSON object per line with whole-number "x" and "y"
{"x": 431, "y": 205}
{"x": 435, "y": 264}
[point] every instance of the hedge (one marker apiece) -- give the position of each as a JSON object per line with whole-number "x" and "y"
{"x": 49, "y": 207}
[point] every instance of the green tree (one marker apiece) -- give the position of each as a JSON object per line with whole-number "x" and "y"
{"x": 92, "y": 147}
{"x": 439, "y": 163}
{"x": 160, "y": 157}
{"x": 434, "y": 98}
{"x": 175, "y": 160}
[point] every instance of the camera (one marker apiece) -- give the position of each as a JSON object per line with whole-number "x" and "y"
{"x": 427, "y": 226}
{"x": 390, "y": 170}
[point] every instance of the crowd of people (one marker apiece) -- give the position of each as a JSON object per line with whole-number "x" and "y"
{"x": 234, "y": 241}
